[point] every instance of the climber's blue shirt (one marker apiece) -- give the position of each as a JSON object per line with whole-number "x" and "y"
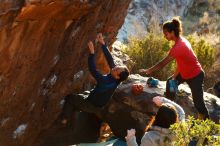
{"x": 106, "y": 84}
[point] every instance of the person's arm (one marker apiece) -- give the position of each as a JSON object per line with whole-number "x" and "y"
{"x": 175, "y": 74}
{"x": 132, "y": 141}
{"x": 148, "y": 139}
{"x": 91, "y": 63}
{"x": 160, "y": 100}
{"x": 106, "y": 51}
{"x": 131, "y": 138}
{"x": 145, "y": 141}
{"x": 158, "y": 66}
{"x": 108, "y": 56}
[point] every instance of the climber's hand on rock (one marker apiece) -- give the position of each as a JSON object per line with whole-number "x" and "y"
{"x": 100, "y": 39}
{"x": 91, "y": 47}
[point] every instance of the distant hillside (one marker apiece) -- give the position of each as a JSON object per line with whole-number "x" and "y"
{"x": 143, "y": 14}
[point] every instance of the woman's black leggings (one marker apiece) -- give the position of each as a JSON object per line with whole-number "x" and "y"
{"x": 196, "y": 86}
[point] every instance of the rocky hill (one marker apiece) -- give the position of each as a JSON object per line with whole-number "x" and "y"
{"x": 145, "y": 13}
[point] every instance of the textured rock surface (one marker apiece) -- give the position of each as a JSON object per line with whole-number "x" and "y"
{"x": 148, "y": 14}
{"x": 43, "y": 57}
{"x": 143, "y": 13}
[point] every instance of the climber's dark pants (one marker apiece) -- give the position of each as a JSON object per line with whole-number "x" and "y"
{"x": 77, "y": 102}
{"x": 196, "y": 86}
{"x": 216, "y": 89}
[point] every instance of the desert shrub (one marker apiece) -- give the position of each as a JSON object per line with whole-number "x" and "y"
{"x": 148, "y": 51}
{"x": 198, "y": 130}
{"x": 204, "y": 51}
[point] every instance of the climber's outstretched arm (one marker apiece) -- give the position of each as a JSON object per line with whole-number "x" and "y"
{"x": 106, "y": 51}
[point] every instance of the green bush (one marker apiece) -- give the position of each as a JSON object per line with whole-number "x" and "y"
{"x": 204, "y": 52}
{"x": 151, "y": 49}
{"x": 195, "y": 129}
{"x": 148, "y": 51}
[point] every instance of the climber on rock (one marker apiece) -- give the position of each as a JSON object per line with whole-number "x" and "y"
{"x": 104, "y": 89}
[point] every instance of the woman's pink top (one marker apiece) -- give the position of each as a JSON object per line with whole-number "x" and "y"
{"x": 187, "y": 62}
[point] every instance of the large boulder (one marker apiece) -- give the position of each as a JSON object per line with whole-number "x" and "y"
{"x": 43, "y": 57}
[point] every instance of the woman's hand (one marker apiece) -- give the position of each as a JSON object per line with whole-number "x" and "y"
{"x": 158, "y": 100}
{"x": 130, "y": 134}
{"x": 145, "y": 71}
{"x": 91, "y": 47}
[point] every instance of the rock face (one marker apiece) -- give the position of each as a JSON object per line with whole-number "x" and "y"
{"x": 44, "y": 57}
{"x": 148, "y": 14}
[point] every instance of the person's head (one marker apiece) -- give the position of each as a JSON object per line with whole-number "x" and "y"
{"x": 166, "y": 116}
{"x": 120, "y": 73}
{"x": 172, "y": 29}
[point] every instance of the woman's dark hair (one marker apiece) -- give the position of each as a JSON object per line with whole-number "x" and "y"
{"x": 166, "y": 116}
{"x": 174, "y": 25}
{"x": 124, "y": 74}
